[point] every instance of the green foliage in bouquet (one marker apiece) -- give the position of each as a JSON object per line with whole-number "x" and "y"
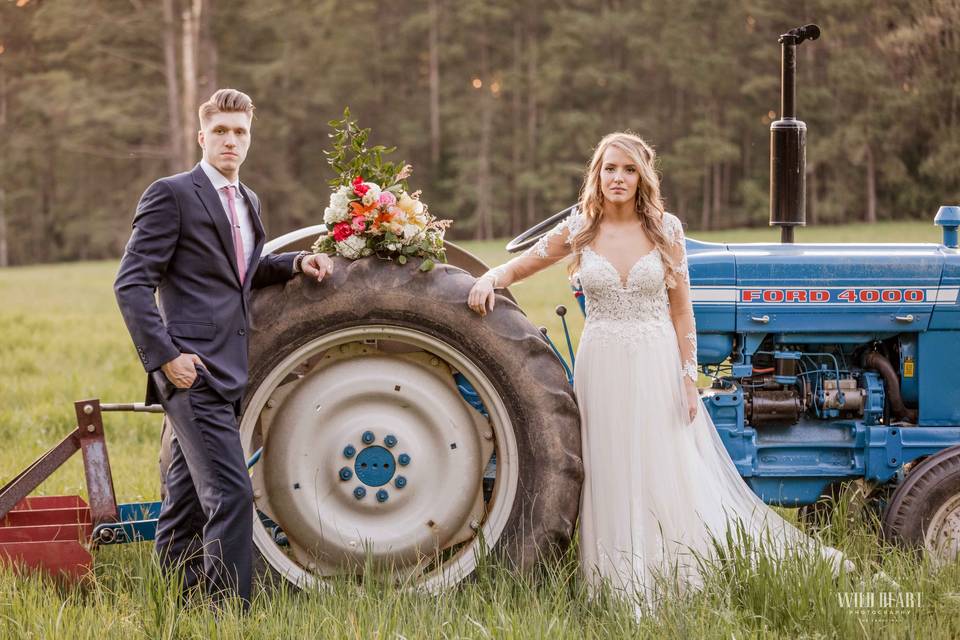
{"x": 351, "y": 157}
{"x": 370, "y": 211}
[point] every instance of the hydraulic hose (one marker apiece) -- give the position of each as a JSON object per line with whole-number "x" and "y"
{"x": 877, "y": 361}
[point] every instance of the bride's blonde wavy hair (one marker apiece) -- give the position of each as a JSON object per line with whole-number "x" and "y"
{"x": 648, "y": 202}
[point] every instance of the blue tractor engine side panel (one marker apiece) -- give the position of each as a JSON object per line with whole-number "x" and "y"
{"x": 790, "y": 324}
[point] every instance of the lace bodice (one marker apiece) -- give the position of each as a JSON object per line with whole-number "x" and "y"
{"x": 631, "y": 310}
{"x": 642, "y": 299}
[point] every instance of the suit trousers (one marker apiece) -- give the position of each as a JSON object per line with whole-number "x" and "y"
{"x": 205, "y": 528}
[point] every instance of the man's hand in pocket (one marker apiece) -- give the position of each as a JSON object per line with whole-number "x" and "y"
{"x": 182, "y": 370}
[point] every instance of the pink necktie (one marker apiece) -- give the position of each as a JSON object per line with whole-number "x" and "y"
{"x": 237, "y": 238}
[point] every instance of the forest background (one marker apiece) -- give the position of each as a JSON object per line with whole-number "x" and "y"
{"x": 497, "y": 104}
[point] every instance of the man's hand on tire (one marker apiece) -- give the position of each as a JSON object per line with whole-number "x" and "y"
{"x": 182, "y": 370}
{"x": 316, "y": 265}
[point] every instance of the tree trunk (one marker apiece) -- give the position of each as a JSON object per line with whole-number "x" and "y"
{"x": 532, "y": 116}
{"x": 871, "y": 212}
{"x": 727, "y": 181}
{"x": 206, "y": 50}
{"x": 174, "y": 113}
{"x": 716, "y": 213}
{"x": 433, "y": 40}
{"x": 814, "y": 196}
{"x": 484, "y": 227}
{"x": 190, "y": 19}
{"x": 4, "y": 255}
{"x": 705, "y": 211}
{"x": 516, "y": 117}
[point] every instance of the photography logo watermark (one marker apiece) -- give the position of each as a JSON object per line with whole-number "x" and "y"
{"x": 880, "y": 603}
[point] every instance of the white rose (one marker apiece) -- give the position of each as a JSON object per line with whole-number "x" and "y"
{"x": 339, "y": 208}
{"x": 340, "y": 197}
{"x": 372, "y": 195}
{"x": 352, "y": 247}
{"x": 410, "y": 230}
{"x": 333, "y": 216}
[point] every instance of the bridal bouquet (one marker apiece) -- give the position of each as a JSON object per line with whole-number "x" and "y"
{"x": 371, "y": 211}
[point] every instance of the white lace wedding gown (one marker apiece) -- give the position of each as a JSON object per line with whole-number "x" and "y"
{"x": 657, "y": 486}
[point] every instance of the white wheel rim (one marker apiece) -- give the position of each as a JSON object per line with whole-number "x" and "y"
{"x": 942, "y": 536}
{"x": 357, "y": 521}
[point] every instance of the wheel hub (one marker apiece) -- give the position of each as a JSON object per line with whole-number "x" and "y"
{"x": 375, "y": 466}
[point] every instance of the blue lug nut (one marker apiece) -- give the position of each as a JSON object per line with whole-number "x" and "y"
{"x": 403, "y": 459}
{"x": 400, "y": 482}
{"x": 349, "y": 451}
{"x": 390, "y": 440}
{"x": 382, "y": 495}
{"x": 367, "y": 437}
{"x": 346, "y": 473}
{"x": 359, "y": 493}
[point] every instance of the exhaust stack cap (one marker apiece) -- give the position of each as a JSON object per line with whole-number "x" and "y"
{"x": 948, "y": 217}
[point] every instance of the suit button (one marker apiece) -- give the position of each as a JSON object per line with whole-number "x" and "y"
{"x": 241, "y": 332}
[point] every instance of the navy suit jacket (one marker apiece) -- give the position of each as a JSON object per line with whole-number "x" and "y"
{"x": 182, "y": 246}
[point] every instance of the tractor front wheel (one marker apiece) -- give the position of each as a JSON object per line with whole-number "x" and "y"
{"x": 924, "y": 511}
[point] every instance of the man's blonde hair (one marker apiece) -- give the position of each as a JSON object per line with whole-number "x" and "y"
{"x": 226, "y": 101}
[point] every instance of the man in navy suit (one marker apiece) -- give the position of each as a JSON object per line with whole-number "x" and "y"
{"x": 197, "y": 239}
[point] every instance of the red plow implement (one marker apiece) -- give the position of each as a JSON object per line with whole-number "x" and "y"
{"x": 53, "y": 533}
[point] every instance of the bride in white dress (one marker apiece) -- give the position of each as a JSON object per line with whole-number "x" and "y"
{"x": 659, "y": 484}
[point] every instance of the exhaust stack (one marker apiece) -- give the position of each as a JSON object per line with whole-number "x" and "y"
{"x": 788, "y": 142}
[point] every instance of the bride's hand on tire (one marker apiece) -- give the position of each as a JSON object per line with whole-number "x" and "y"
{"x": 482, "y": 297}
{"x": 693, "y": 397}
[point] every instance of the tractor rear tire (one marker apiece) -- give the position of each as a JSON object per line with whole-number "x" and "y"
{"x": 924, "y": 511}
{"x": 504, "y": 349}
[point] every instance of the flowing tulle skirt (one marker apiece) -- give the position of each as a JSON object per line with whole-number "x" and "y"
{"x": 658, "y": 489}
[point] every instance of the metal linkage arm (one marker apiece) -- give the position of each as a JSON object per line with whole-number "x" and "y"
{"x": 88, "y": 437}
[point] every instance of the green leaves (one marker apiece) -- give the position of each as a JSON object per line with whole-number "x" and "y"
{"x": 351, "y": 157}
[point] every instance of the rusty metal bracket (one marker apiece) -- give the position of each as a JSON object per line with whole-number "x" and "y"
{"x": 89, "y": 439}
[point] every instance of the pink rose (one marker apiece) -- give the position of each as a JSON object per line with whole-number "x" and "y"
{"x": 387, "y": 199}
{"x": 359, "y": 224}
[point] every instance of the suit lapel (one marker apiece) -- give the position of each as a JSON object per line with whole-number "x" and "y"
{"x": 259, "y": 234}
{"x": 211, "y": 202}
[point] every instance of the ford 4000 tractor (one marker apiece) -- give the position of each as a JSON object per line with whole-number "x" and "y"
{"x": 387, "y": 425}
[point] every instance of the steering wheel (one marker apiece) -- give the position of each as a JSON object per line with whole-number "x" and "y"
{"x": 529, "y": 237}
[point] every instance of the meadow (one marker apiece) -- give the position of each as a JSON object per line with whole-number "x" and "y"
{"x": 62, "y": 339}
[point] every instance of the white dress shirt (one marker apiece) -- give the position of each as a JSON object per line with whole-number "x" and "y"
{"x": 240, "y": 203}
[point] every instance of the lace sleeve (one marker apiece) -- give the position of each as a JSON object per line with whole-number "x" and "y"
{"x": 674, "y": 231}
{"x": 557, "y": 241}
{"x": 550, "y": 248}
{"x": 681, "y": 306}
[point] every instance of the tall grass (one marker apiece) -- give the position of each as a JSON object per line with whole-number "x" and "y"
{"x": 62, "y": 339}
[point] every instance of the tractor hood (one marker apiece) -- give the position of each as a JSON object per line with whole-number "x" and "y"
{"x": 835, "y": 288}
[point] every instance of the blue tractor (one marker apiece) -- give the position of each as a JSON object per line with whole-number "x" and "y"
{"x": 833, "y": 363}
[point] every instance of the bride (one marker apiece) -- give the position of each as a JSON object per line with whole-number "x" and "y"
{"x": 659, "y": 485}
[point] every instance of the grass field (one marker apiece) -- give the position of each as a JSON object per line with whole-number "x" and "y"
{"x": 62, "y": 339}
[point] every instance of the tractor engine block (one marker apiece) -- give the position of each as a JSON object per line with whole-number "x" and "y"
{"x": 790, "y": 384}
